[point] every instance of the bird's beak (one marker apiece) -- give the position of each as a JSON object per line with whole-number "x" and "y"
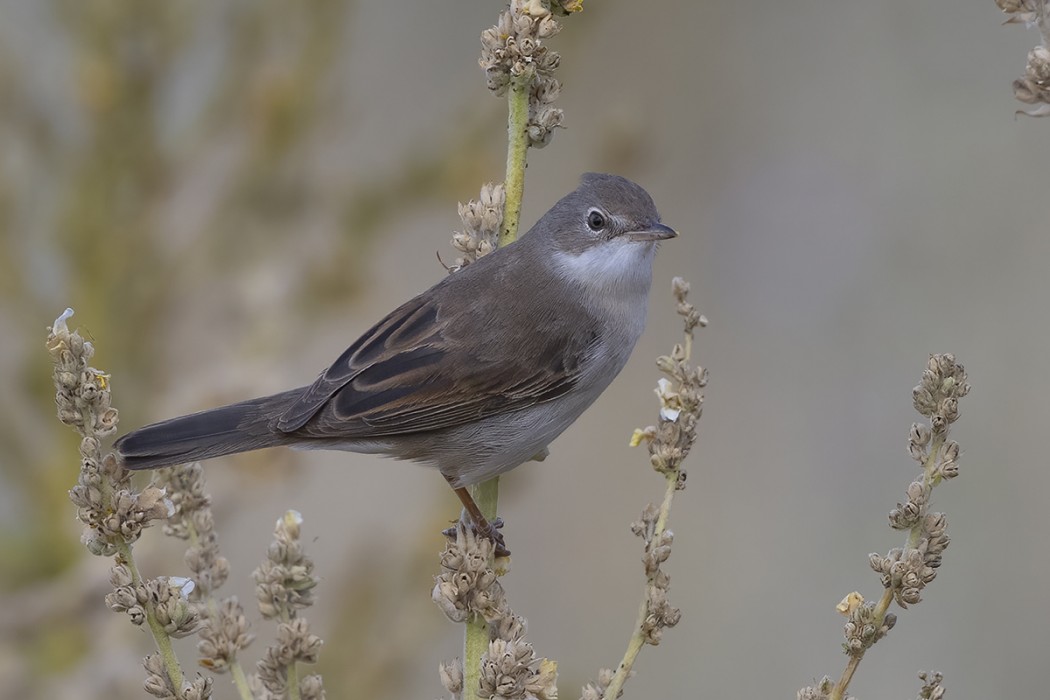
{"x": 656, "y": 232}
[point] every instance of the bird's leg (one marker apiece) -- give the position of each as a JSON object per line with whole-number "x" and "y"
{"x": 482, "y": 526}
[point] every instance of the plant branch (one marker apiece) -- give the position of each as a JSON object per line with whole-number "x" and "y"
{"x": 637, "y": 641}
{"x": 160, "y": 636}
{"x": 517, "y": 149}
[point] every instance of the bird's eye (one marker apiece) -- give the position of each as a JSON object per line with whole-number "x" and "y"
{"x": 595, "y": 220}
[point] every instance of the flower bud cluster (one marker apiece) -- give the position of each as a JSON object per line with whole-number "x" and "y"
{"x": 1033, "y": 87}
{"x": 681, "y": 400}
{"x": 284, "y": 582}
{"x": 82, "y": 392}
{"x": 906, "y": 515}
{"x": 544, "y": 117}
{"x": 168, "y": 598}
{"x": 468, "y": 587}
{"x": 193, "y": 520}
{"x": 294, "y": 643}
{"x": 907, "y": 571}
{"x": 513, "y": 56}
{"x": 159, "y": 685}
{"x": 660, "y": 614}
{"x": 224, "y": 635}
{"x": 284, "y": 585}
{"x": 681, "y": 403}
{"x": 596, "y": 689}
{"x": 937, "y": 395}
{"x": 863, "y": 627}
{"x": 820, "y": 691}
{"x": 112, "y": 512}
{"x": 931, "y": 686}
{"x": 510, "y": 669}
{"x": 481, "y": 219}
{"x": 224, "y": 630}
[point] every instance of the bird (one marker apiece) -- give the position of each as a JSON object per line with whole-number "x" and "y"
{"x": 477, "y": 374}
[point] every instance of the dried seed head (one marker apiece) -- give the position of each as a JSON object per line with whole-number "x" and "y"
{"x": 513, "y": 54}
{"x": 820, "y": 691}
{"x": 1038, "y": 68}
{"x": 931, "y": 686}
{"x": 467, "y": 584}
{"x": 223, "y": 635}
{"x": 284, "y": 582}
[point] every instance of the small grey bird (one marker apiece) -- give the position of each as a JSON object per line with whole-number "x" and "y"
{"x": 474, "y": 376}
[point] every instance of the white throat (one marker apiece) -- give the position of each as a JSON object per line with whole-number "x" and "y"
{"x": 618, "y": 268}
{"x": 614, "y": 277}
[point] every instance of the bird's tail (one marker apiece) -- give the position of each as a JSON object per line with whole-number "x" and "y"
{"x": 239, "y": 427}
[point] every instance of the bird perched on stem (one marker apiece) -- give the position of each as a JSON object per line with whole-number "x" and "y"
{"x": 477, "y": 374}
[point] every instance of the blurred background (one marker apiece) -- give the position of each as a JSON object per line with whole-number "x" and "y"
{"x": 229, "y": 192}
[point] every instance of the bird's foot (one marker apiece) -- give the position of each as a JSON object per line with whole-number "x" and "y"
{"x": 489, "y": 530}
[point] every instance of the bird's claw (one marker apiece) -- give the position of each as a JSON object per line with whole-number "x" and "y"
{"x": 491, "y": 533}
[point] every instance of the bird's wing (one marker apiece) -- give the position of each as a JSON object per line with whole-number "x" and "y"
{"x": 417, "y": 371}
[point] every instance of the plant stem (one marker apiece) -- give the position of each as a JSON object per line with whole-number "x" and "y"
{"x": 637, "y": 641}
{"x": 517, "y": 147}
{"x": 914, "y": 537}
{"x": 839, "y": 691}
{"x": 476, "y": 637}
{"x": 293, "y": 681}
{"x": 124, "y": 556}
{"x": 160, "y": 636}
{"x": 240, "y": 681}
{"x": 486, "y": 494}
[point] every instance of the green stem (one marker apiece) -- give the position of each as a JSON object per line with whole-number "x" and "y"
{"x": 839, "y": 691}
{"x": 475, "y": 645}
{"x": 486, "y": 494}
{"x": 160, "y": 635}
{"x": 476, "y": 636}
{"x": 240, "y": 681}
{"x": 517, "y": 148}
{"x": 124, "y": 555}
{"x": 637, "y": 640}
{"x": 293, "y": 681}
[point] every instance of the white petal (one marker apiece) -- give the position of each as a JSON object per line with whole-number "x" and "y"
{"x": 59, "y": 325}
{"x": 185, "y": 585}
{"x": 670, "y": 414}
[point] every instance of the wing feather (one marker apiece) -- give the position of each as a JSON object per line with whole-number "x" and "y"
{"x": 418, "y": 371}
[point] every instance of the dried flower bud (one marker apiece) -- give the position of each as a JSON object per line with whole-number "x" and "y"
{"x": 547, "y": 27}
{"x": 951, "y": 451}
{"x": 451, "y": 673}
{"x": 157, "y": 682}
{"x": 920, "y": 434}
{"x": 931, "y": 686}
{"x": 821, "y": 691}
{"x": 1013, "y": 6}
{"x": 1038, "y": 68}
